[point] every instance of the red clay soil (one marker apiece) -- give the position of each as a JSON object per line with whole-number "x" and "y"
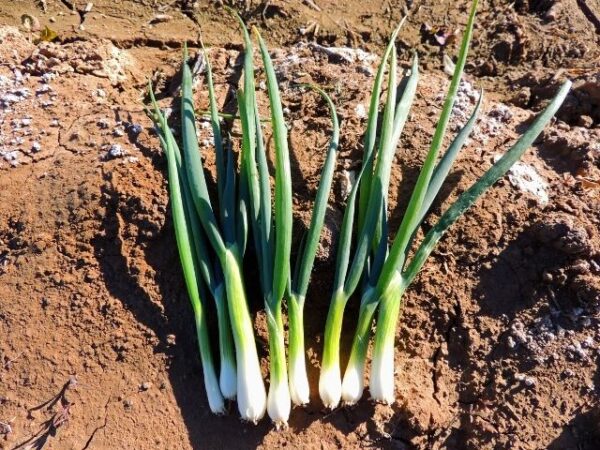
{"x": 499, "y": 341}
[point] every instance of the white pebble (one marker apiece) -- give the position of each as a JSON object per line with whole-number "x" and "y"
{"x": 115, "y": 151}
{"x": 48, "y": 76}
{"x": 360, "y": 111}
{"x": 43, "y": 89}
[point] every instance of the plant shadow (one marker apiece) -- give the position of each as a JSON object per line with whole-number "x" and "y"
{"x": 184, "y": 370}
{"x": 581, "y": 433}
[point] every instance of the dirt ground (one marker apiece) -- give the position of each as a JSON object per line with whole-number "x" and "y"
{"x": 499, "y": 342}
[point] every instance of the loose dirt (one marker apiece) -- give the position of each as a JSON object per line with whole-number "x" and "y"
{"x": 499, "y": 342}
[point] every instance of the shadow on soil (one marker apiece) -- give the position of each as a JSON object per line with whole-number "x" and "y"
{"x": 581, "y": 433}
{"x": 185, "y": 373}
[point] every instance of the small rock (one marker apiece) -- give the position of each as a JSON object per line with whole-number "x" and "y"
{"x": 160, "y": 18}
{"x": 588, "y": 342}
{"x": 12, "y": 156}
{"x": 565, "y": 233}
{"x": 115, "y": 151}
{"x": 171, "y": 339}
{"x": 145, "y": 385}
{"x": 48, "y": 76}
{"x": 511, "y": 342}
{"x": 36, "y": 147}
{"x": 526, "y": 380}
{"x": 5, "y": 428}
{"x": 360, "y": 111}
{"x": 135, "y": 128}
{"x": 552, "y": 13}
{"x": 585, "y": 121}
{"x": 43, "y": 89}
{"x": 576, "y": 351}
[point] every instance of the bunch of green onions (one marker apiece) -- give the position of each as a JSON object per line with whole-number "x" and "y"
{"x": 212, "y": 236}
{"x": 212, "y": 245}
{"x": 385, "y": 273}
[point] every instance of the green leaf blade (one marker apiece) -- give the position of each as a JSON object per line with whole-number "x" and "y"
{"x": 493, "y": 174}
{"x": 309, "y": 248}
{"x": 283, "y": 185}
{"x": 411, "y": 216}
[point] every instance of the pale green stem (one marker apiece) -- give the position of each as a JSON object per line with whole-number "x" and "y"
{"x": 298, "y": 379}
{"x": 278, "y": 402}
{"x": 227, "y": 376}
{"x": 382, "y": 373}
{"x": 330, "y": 383}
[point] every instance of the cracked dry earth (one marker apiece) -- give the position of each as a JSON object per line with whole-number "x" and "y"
{"x": 499, "y": 343}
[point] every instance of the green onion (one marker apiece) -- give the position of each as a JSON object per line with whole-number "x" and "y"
{"x": 299, "y": 388}
{"x": 228, "y": 245}
{"x": 214, "y": 279}
{"x": 212, "y": 243}
{"x": 353, "y": 382}
{"x": 183, "y": 214}
{"x": 278, "y": 402}
{"x": 387, "y": 285}
{"x": 347, "y": 277}
{"x": 272, "y": 234}
{"x": 251, "y": 396}
{"x": 382, "y": 378}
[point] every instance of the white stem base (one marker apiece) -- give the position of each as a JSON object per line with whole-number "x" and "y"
{"x": 382, "y": 374}
{"x": 251, "y": 394}
{"x": 353, "y": 384}
{"x": 330, "y": 386}
{"x": 215, "y": 399}
{"x": 228, "y": 379}
{"x": 299, "y": 388}
{"x": 279, "y": 404}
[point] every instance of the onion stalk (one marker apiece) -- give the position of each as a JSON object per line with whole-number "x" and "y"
{"x": 272, "y": 234}
{"x": 391, "y": 274}
{"x": 228, "y": 241}
{"x": 298, "y": 378}
{"x": 347, "y": 276}
{"x": 187, "y": 242}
